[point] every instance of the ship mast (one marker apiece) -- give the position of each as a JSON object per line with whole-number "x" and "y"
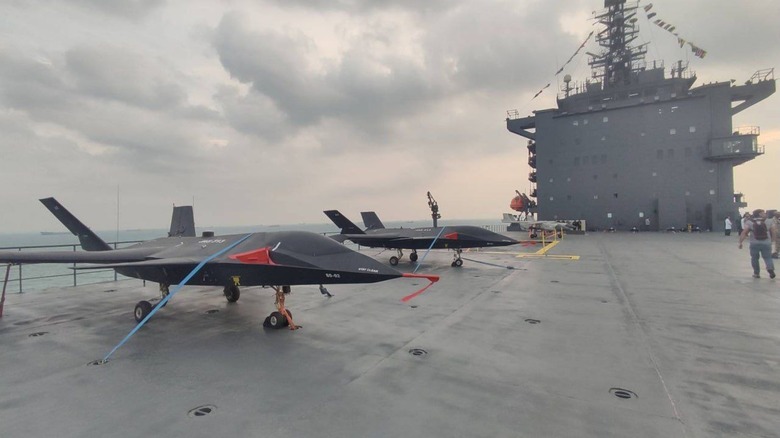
{"x": 618, "y": 62}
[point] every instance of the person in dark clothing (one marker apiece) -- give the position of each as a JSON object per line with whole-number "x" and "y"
{"x": 761, "y": 238}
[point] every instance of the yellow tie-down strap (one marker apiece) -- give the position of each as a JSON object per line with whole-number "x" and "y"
{"x": 542, "y": 254}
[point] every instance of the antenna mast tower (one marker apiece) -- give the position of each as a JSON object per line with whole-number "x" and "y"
{"x": 619, "y": 60}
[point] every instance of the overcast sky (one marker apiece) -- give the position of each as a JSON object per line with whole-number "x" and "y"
{"x": 270, "y": 111}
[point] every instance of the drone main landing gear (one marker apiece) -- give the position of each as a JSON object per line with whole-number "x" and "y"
{"x": 457, "y": 262}
{"x": 232, "y": 292}
{"x": 282, "y": 317}
{"x": 394, "y": 260}
{"x": 143, "y": 308}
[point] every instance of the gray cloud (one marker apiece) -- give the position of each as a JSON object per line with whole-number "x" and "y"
{"x": 499, "y": 48}
{"x": 361, "y": 87}
{"x": 116, "y": 73}
{"x": 372, "y": 89}
{"x": 253, "y": 114}
{"x": 274, "y": 65}
{"x": 27, "y": 83}
{"x": 99, "y": 97}
{"x": 133, "y": 9}
{"x": 440, "y": 6}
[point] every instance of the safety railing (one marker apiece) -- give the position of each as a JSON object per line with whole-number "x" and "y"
{"x": 50, "y": 275}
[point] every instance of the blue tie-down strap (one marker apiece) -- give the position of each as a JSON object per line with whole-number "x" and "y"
{"x": 172, "y": 293}
{"x": 429, "y": 250}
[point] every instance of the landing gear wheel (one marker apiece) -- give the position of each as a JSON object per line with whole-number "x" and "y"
{"x": 394, "y": 261}
{"x": 457, "y": 263}
{"x": 232, "y": 293}
{"x": 277, "y": 320}
{"x": 533, "y": 235}
{"x": 282, "y": 317}
{"x": 142, "y": 309}
{"x": 413, "y": 256}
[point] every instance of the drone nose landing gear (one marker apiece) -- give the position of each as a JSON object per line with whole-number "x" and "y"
{"x": 282, "y": 317}
{"x": 457, "y": 262}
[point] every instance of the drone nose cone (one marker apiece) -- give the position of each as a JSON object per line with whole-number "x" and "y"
{"x": 511, "y": 241}
{"x": 496, "y": 239}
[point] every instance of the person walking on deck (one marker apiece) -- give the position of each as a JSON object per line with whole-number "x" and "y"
{"x": 761, "y": 237}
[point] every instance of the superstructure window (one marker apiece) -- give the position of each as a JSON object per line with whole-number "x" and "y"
{"x": 606, "y": 119}
{"x": 672, "y": 131}
{"x": 576, "y": 161}
{"x": 670, "y": 152}
{"x": 692, "y": 129}
{"x": 659, "y": 154}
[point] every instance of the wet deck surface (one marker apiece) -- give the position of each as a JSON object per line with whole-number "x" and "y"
{"x": 675, "y": 320}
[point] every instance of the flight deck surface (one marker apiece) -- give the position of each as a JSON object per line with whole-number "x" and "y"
{"x": 643, "y": 335}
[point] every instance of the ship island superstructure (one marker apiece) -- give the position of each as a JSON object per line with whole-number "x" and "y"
{"x": 633, "y": 147}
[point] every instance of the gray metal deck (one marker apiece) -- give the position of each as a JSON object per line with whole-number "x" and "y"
{"x": 674, "y": 318}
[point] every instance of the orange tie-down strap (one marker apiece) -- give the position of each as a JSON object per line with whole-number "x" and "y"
{"x": 283, "y": 310}
{"x": 429, "y": 277}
